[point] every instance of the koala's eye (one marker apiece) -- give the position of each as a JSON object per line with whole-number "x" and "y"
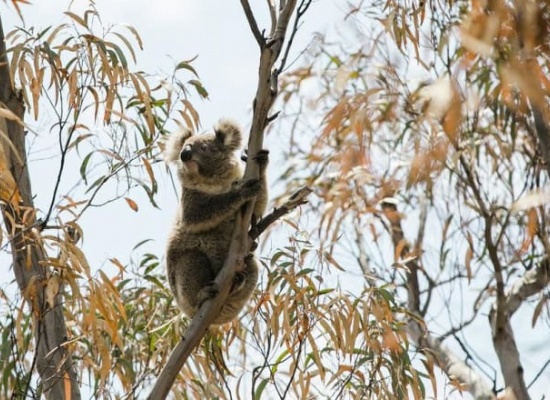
{"x": 204, "y": 147}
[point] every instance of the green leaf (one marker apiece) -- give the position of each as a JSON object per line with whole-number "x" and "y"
{"x": 84, "y": 166}
{"x": 261, "y": 387}
{"x": 187, "y": 66}
{"x": 200, "y": 89}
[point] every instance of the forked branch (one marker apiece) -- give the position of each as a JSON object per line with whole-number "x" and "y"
{"x": 266, "y": 93}
{"x": 445, "y": 358}
{"x": 208, "y": 311}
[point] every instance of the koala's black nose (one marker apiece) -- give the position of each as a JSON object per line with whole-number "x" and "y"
{"x": 186, "y": 153}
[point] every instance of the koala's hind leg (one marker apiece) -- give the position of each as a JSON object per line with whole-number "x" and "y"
{"x": 243, "y": 286}
{"x": 190, "y": 276}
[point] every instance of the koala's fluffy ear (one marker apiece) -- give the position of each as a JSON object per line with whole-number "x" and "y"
{"x": 228, "y": 132}
{"x": 171, "y": 147}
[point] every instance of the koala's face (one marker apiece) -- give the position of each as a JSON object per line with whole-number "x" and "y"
{"x": 207, "y": 162}
{"x": 206, "y": 156}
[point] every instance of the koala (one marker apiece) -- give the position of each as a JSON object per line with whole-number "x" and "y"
{"x": 212, "y": 191}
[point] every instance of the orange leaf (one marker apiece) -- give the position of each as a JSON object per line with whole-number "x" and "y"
{"x": 133, "y": 205}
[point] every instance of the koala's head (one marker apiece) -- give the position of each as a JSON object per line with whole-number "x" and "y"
{"x": 207, "y": 162}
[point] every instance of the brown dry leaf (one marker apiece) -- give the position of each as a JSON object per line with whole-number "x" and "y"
{"x": 96, "y": 103}
{"x": 146, "y": 99}
{"x": 52, "y": 289}
{"x": 149, "y": 170}
{"x": 518, "y": 75}
{"x": 532, "y": 225}
{"x": 9, "y": 192}
{"x": 349, "y": 369}
{"x": 429, "y": 364}
{"x": 109, "y": 286}
{"x": 109, "y": 102}
{"x": 116, "y": 262}
{"x": 389, "y": 339}
{"x": 67, "y": 385}
{"x": 529, "y": 25}
{"x": 76, "y": 18}
{"x": 8, "y": 114}
{"x": 538, "y": 309}
{"x": 417, "y": 172}
{"x": 132, "y": 204}
{"x": 105, "y": 367}
{"x": 453, "y": 117}
{"x": 316, "y": 355}
{"x": 468, "y": 263}
{"x": 329, "y": 329}
{"x": 36, "y": 87}
{"x": 399, "y": 250}
{"x": 455, "y": 383}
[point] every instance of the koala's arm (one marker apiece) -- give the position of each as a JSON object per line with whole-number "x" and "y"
{"x": 203, "y": 211}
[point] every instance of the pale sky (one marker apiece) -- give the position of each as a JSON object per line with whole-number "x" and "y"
{"x": 172, "y": 31}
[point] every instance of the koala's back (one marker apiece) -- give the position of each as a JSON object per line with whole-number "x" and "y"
{"x": 214, "y": 242}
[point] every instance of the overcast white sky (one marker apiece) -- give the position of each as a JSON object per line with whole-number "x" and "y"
{"x": 172, "y": 30}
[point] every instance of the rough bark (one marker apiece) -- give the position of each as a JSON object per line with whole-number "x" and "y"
{"x": 53, "y": 360}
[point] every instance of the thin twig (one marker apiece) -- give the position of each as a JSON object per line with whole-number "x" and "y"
{"x": 272, "y": 16}
{"x": 302, "y": 8}
{"x": 296, "y": 199}
{"x": 252, "y": 23}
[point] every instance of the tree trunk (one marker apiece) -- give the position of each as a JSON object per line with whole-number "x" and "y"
{"x": 53, "y": 359}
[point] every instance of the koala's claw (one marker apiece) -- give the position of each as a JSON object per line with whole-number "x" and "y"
{"x": 261, "y": 158}
{"x": 251, "y": 187}
{"x": 238, "y": 281}
{"x": 208, "y": 292}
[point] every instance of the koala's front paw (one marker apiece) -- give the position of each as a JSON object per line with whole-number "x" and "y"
{"x": 262, "y": 159}
{"x": 250, "y": 187}
{"x": 208, "y": 292}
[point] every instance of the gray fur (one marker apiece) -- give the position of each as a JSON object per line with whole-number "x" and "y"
{"x": 212, "y": 192}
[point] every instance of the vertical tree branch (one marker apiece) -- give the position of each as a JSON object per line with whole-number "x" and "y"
{"x": 402, "y": 250}
{"x": 53, "y": 360}
{"x": 503, "y": 335}
{"x": 266, "y": 94}
{"x": 543, "y": 134}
